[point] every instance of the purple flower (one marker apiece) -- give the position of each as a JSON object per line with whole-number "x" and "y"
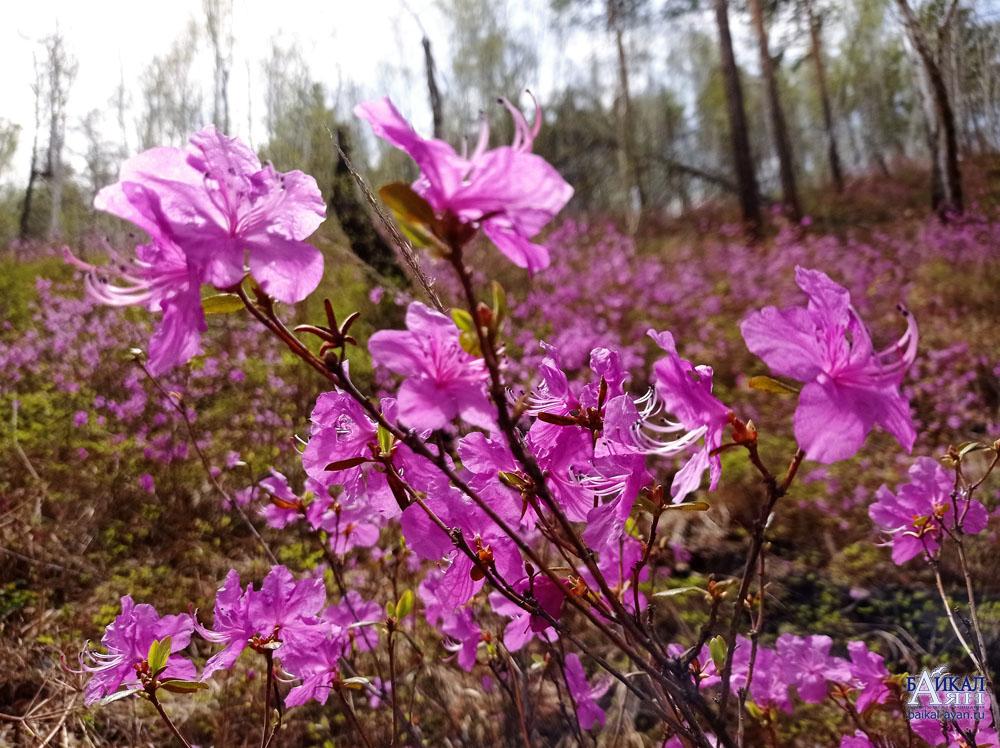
{"x": 282, "y": 611}
{"x": 857, "y": 740}
{"x": 809, "y": 665}
{"x": 869, "y": 675}
{"x": 684, "y": 391}
{"x": 508, "y": 191}
{"x": 161, "y": 279}
{"x": 442, "y": 381}
{"x": 584, "y": 695}
{"x": 147, "y": 484}
{"x": 917, "y": 514}
{"x": 317, "y": 664}
{"x": 849, "y": 387}
{"x": 217, "y": 204}
{"x": 127, "y": 640}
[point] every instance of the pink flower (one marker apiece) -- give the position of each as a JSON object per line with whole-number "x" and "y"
{"x": 917, "y": 514}
{"x": 508, "y": 191}
{"x": 684, "y": 391}
{"x": 442, "y": 381}
{"x": 849, "y": 387}
{"x": 869, "y": 675}
{"x": 282, "y": 611}
{"x": 857, "y": 740}
{"x": 317, "y": 664}
{"x": 810, "y": 666}
{"x": 584, "y": 695}
{"x": 127, "y": 640}
{"x": 161, "y": 279}
{"x": 217, "y": 204}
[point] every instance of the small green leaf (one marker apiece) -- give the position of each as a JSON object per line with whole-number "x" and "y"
{"x": 677, "y": 591}
{"x": 385, "y": 440}
{"x": 689, "y": 506}
{"x": 118, "y": 696}
{"x": 406, "y": 204}
{"x": 499, "y": 302}
{"x": 159, "y": 653}
{"x": 390, "y": 609}
{"x": 404, "y": 606}
{"x": 970, "y": 447}
{"x": 183, "y": 686}
{"x": 356, "y": 682}
{"x": 470, "y": 342}
{"x": 463, "y": 320}
{"x": 717, "y": 648}
{"x": 222, "y": 303}
{"x": 772, "y": 385}
{"x": 753, "y": 710}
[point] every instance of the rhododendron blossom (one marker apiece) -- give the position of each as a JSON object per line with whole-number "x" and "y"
{"x": 849, "y": 386}
{"x": 442, "y": 382}
{"x": 508, "y": 191}
{"x": 217, "y": 203}
{"x": 585, "y": 695}
{"x": 281, "y": 611}
{"x": 917, "y": 514}
{"x": 206, "y": 209}
{"x": 127, "y": 641}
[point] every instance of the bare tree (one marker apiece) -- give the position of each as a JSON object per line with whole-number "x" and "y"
{"x": 746, "y": 177}
{"x": 218, "y": 26}
{"x": 60, "y": 70}
{"x": 616, "y": 20}
{"x": 779, "y": 129}
{"x": 819, "y": 66}
{"x": 37, "y": 88}
{"x": 9, "y": 134}
{"x": 946, "y": 192}
{"x": 171, "y": 97}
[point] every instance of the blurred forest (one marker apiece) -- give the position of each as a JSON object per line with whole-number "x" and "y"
{"x": 670, "y": 113}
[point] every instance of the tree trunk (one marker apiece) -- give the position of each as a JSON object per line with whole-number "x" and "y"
{"x": 354, "y": 219}
{"x": 433, "y": 92}
{"x": 951, "y": 200}
{"x": 816, "y": 41}
{"x": 29, "y": 193}
{"x": 631, "y": 171}
{"x": 782, "y": 143}
{"x": 746, "y": 179}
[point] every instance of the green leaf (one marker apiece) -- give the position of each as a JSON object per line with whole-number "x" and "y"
{"x": 717, "y": 648}
{"x": 119, "y": 695}
{"x": 463, "y": 320}
{"x": 470, "y": 343}
{"x": 414, "y": 215}
{"x": 183, "y": 686}
{"x": 390, "y": 609}
{"x": 159, "y": 653}
{"x": 404, "y": 606}
{"x": 356, "y": 682}
{"x": 406, "y": 204}
{"x": 385, "y": 440}
{"x": 677, "y": 591}
{"x": 772, "y": 385}
{"x": 689, "y": 506}
{"x": 499, "y": 302}
{"x": 970, "y": 447}
{"x": 222, "y": 303}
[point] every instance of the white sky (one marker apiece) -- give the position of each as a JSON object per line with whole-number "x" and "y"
{"x": 370, "y": 43}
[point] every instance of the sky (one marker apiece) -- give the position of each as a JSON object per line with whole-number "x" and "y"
{"x": 356, "y": 40}
{"x": 367, "y": 43}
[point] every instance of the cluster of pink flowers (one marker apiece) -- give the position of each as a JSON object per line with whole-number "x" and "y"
{"x": 207, "y": 210}
{"x": 286, "y": 618}
{"x": 471, "y": 492}
{"x": 920, "y": 513}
